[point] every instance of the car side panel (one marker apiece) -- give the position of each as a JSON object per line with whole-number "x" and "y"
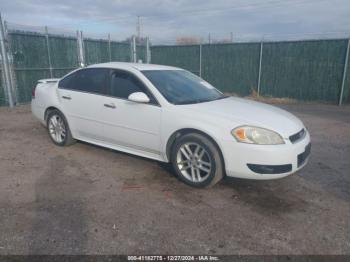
{"x": 46, "y": 96}
{"x": 175, "y": 118}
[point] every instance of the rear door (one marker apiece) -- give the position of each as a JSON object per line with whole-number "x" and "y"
{"x": 82, "y": 96}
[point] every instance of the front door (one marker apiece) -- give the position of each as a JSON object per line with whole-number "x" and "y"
{"x": 129, "y": 124}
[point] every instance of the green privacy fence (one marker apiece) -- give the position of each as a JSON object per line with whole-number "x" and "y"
{"x": 346, "y": 95}
{"x": 232, "y": 68}
{"x": 63, "y": 52}
{"x": 36, "y": 56}
{"x": 303, "y": 70}
{"x": 30, "y": 62}
{"x": 120, "y": 52}
{"x": 141, "y": 53}
{"x": 186, "y": 57}
{"x": 96, "y": 51}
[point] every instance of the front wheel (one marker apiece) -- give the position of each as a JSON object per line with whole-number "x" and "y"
{"x": 58, "y": 129}
{"x": 197, "y": 160}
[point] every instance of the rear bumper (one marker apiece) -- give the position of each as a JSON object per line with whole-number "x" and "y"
{"x": 38, "y": 112}
{"x": 265, "y": 161}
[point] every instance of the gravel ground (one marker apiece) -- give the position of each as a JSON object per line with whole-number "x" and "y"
{"x": 85, "y": 199}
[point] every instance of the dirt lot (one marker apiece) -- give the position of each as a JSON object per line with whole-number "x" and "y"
{"x": 90, "y": 200}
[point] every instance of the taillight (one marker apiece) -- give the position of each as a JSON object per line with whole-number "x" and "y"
{"x": 33, "y": 92}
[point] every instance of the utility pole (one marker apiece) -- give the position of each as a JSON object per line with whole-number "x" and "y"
{"x": 231, "y": 37}
{"x": 209, "y": 38}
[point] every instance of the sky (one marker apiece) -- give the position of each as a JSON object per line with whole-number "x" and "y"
{"x": 166, "y": 20}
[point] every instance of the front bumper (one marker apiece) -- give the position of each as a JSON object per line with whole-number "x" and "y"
{"x": 265, "y": 161}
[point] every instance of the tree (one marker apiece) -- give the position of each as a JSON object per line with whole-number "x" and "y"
{"x": 188, "y": 40}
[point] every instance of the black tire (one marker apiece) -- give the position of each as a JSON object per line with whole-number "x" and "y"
{"x": 213, "y": 154}
{"x": 68, "y": 139}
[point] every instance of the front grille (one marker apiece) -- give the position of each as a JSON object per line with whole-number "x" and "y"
{"x": 298, "y": 136}
{"x": 303, "y": 156}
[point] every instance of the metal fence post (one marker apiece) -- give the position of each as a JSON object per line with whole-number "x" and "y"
{"x": 78, "y": 47}
{"x": 5, "y": 64}
{"x": 80, "y": 44}
{"x": 200, "y": 60}
{"x": 344, "y": 74}
{"x": 13, "y": 82}
{"x": 48, "y": 50}
{"x": 109, "y": 47}
{"x": 82, "y": 48}
{"x": 131, "y": 54}
{"x": 260, "y": 64}
{"x": 133, "y": 49}
{"x": 148, "y": 51}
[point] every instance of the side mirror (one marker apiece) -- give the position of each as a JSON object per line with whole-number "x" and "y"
{"x": 139, "y": 97}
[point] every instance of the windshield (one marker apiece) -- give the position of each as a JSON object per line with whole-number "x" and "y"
{"x": 181, "y": 87}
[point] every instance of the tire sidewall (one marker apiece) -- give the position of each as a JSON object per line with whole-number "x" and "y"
{"x": 208, "y": 146}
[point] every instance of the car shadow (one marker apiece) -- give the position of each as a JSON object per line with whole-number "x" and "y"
{"x": 267, "y": 197}
{"x": 272, "y": 197}
{"x": 59, "y": 224}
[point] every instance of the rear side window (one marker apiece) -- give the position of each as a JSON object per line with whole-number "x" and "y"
{"x": 90, "y": 80}
{"x": 123, "y": 84}
{"x": 67, "y": 82}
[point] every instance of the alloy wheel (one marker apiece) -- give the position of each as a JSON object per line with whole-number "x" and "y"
{"x": 57, "y": 128}
{"x": 194, "y": 162}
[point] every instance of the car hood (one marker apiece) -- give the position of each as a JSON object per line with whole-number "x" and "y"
{"x": 241, "y": 111}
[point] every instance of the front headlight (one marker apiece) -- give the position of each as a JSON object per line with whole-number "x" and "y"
{"x": 256, "y": 135}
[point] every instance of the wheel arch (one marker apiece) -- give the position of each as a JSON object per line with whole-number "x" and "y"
{"x": 184, "y": 131}
{"x": 48, "y": 110}
{"x": 51, "y": 108}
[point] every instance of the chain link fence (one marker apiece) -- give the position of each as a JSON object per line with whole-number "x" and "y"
{"x": 309, "y": 70}
{"x": 40, "y": 52}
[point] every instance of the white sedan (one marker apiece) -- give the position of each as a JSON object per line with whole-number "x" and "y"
{"x": 170, "y": 115}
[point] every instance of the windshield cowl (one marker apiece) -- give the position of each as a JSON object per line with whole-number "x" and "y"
{"x": 201, "y": 101}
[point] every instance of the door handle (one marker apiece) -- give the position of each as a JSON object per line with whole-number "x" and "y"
{"x": 66, "y": 97}
{"x": 111, "y": 105}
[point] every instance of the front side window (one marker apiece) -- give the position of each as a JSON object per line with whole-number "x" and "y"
{"x": 123, "y": 84}
{"x": 182, "y": 87}
{"x": 90, "y": 80}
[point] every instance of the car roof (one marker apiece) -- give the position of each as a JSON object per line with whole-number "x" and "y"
{"x": 130, "y": 66}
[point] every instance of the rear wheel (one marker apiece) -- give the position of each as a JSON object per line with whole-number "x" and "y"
{"x": 58, "y": 129}
{"x": 197, "y": 161}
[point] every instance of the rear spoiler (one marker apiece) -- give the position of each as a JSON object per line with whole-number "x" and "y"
{"x": 48, "y": 81}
